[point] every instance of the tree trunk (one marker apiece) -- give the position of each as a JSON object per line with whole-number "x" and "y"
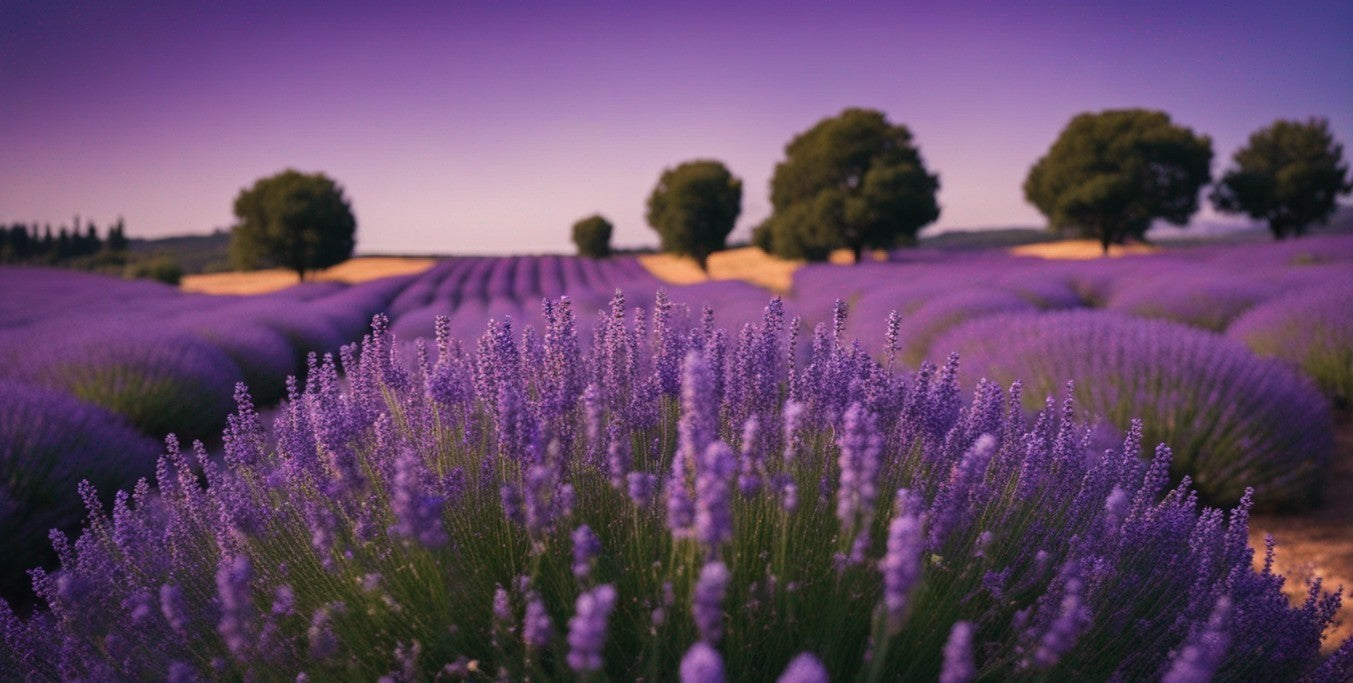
{"x": 858, "y": 250}
{"x": 300, "y": 274}
{"x": 702, "y": 260}
{"x": 1279, "y": 229}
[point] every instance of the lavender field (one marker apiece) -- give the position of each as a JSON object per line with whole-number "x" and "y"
{"x": 955, "y": 464}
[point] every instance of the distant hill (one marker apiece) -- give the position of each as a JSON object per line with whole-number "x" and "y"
{"x": 210, "y": 253}
{"x": 987, "y": 238}
{"x": 193, "y": 253}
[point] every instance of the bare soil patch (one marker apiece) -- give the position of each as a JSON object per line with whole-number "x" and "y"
{"x": 1080, "y": 249}
{"x": 352, "y": 271}
{"x": 1319, "y": 542}
{"x": 749, "y": 264}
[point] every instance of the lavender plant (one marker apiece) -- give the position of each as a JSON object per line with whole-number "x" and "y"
{"x": 543, "y": 509}
{"x": 1209, "y": 300}
{"x": 265, "y": 356}
{"x": 1310, "y": 329}
{"x": 49, "y": 443}
{"x": 161, "y": 380}
{"x": 1234, "y": 420}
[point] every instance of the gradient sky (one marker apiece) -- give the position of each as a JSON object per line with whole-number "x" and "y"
{"x": 490, "y": 128}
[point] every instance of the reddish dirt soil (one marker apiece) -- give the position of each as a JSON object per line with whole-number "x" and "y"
{"x": 1319, "y": 542}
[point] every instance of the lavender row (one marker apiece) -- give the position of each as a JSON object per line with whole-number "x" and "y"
{"x": 49, "y": 443}
{"x": 1311, "y": 329}
{"x": 1234, "y": 420}
{"x": 667, "y": 500}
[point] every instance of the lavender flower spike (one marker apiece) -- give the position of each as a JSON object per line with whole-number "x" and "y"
{"x": 1072, "y": 619}
{"x": 417, "y": 514}
{"x": 902, "y": 564}
{"x": 804, "y": 668}
{"x": 536, "y": 629}
{"x": 702, "y": 664}
{"x": 958, "y": 661}
{"x": 713, "y": 496}
{"x": 586, "y": 547}
{"x": 1203, "y": 653}
{"x": 587, "y": 628}
{"x": 232, "y": 586}
{"x": 707, "y": 603}
{"x": 860, "y": 446}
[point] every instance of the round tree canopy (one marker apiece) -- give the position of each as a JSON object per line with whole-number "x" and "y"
{"x": 300, "y": 221}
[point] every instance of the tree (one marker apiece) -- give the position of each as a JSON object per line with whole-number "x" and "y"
{"x": 853, "y": 180}
{"x": 1289, "y": 175}
{"x": 1109, "y": 175}
{"x": 592, "y": 235}
{"x": 693, "y": 208}
{"x": 297, "y": 220}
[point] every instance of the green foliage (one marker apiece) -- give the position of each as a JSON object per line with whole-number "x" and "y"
{"x": 693, "y": 208}
{"x": 1288, "y": 175}
{"x": 1109, "y": 175}
{"x": 77, "y": 245}
{"x": 161, "y": 267}
{"x": 853, "y": 180}
{"x": 293, "y": 219}
{"x": 592, "y": 235}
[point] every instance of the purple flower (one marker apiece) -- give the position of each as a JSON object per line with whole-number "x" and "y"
{"x": 1202, "y": 654}
{"x": 418, "y": 515}
{"x": 707, "y": 600}
{"x": 901, "y": 565}
{"x": 1249, "y": 422}
{"x": 232, "y": 588}
{"x": 750, "y": 467}
{"x": 49, "y": 442}
{"x": 537, "y": 631}
{"x": 1309, "y": 329}
{"x": 958, "y": 660}
{"x": 284, "y": 601}
{"x": 619, "y": 459}
{"x": 713, "y": 490}
{"x": 587, "y": 628}
{"x": 702, "y": 664}
{"x": 323, "y": 642}
{"x": 173, "y": 606}
{"x": 640, "y": 486}
{"x": 860, "y": 445}
{"x": 804, "y": 668}
{"x": 1116, "y": 508}
{"x": 1072, "y": 618}
{"x": 792, "y": 415}
{"x": 586, "y": 547}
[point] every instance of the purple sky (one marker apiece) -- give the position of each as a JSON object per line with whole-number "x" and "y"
{"x": 492, "y": 127}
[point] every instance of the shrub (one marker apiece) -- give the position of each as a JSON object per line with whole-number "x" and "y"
{"x": 1234, "y": 420}
{"x": 1310, "y": 329}
{"x": 522, "y": 511}
{"x": 161, "y": 268}
{"x": 1209, "y": 300}
{"x": 265, "y": 356}
{"x": 49, "y": 442}
{"x": 918, "y": 330}
{"x": 162, "y": 381}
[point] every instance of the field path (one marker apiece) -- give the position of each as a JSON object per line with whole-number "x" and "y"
{"x": 1318, "y": 542}
{"x": 352, "y": 271}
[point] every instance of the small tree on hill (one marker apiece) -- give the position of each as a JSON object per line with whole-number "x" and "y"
{"x": 592, "y": 235}
{"x": 1109, "y": 175}
{"x": 297, "y": 220}
{"x": 853, "y": 180}
{"x": 693, "y": 208}
{"x": 1289, "y": 175}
